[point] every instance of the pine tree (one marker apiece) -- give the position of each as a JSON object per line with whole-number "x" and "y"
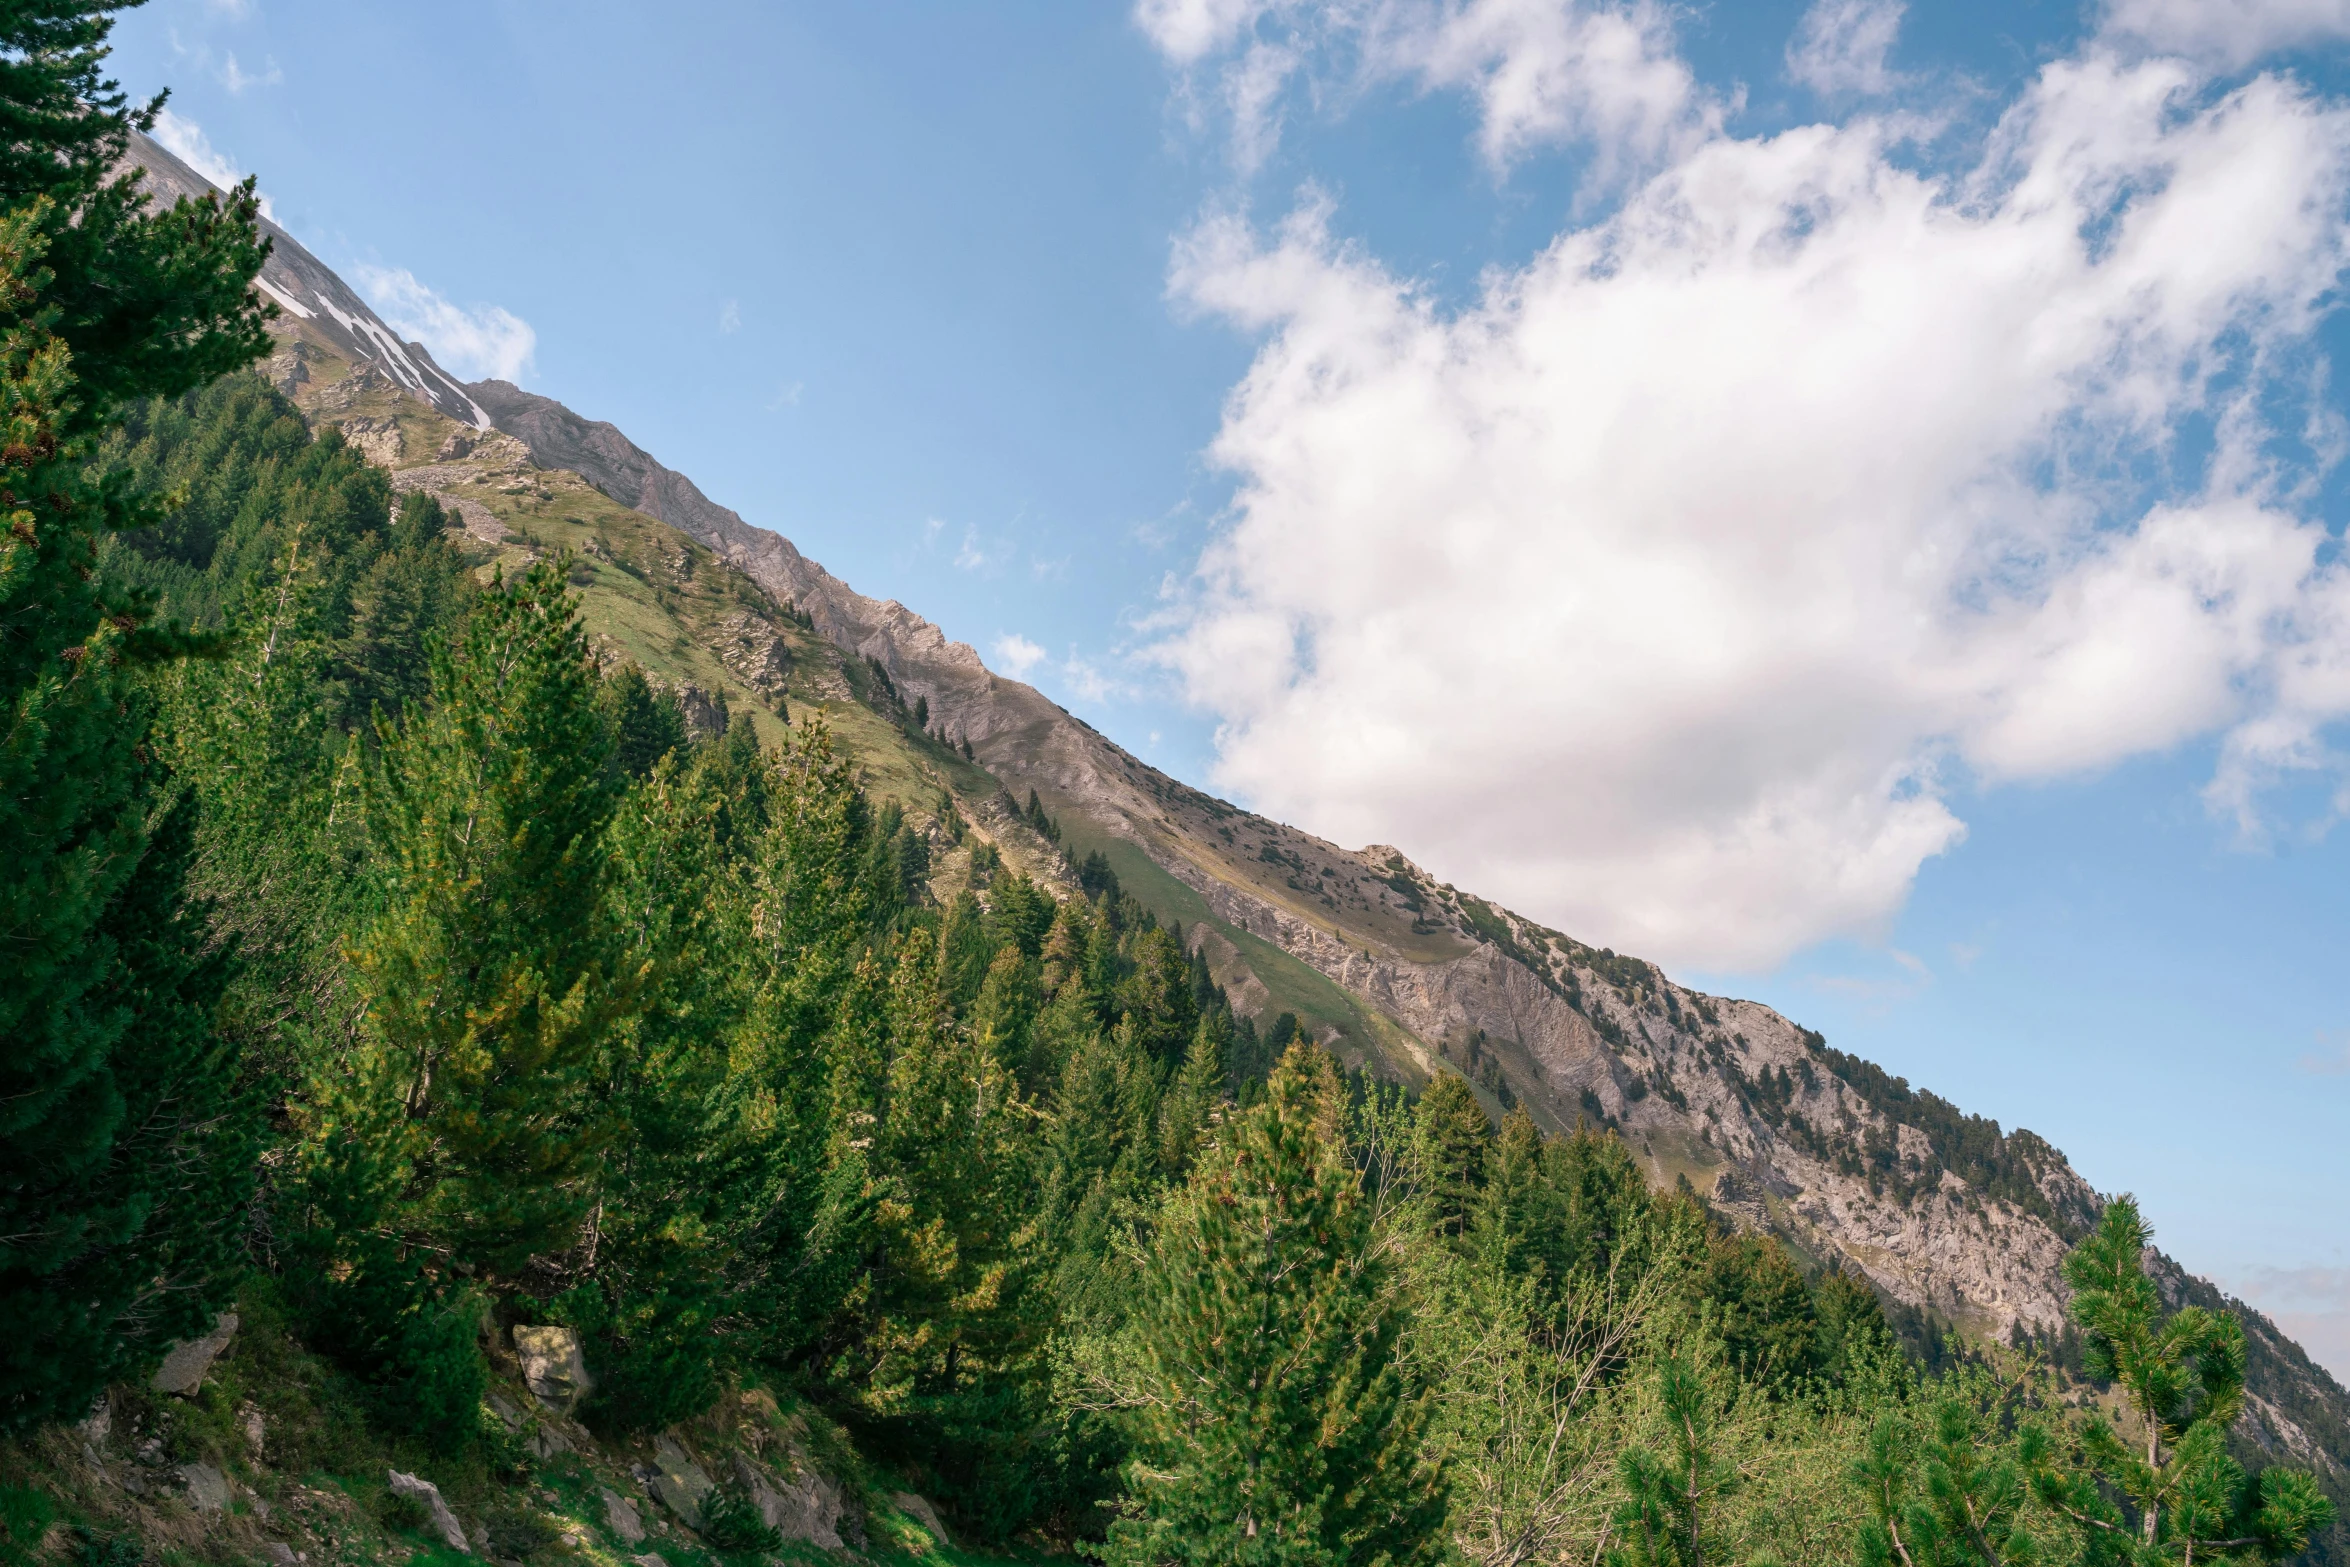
{"x": 1671, "y": 1515}
{"x": 1003, "y": 1015}
{"x": 646, "y": 724}
{"x": 1274, "y": 1423}
{"x": 106, "y": 1193}
{"x": 1189, "y": 1108}
{"x": 1944, "y": 1491}
{"x": 650, "y": 1281}
{"x": 1450, "y": 1139}
{"x": 466, "y": 1128}
{"x": 2181, "y": 1377}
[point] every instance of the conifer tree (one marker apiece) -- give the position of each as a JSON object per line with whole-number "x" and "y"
{"x": 2182, "y": 1497}
{"x": 965, "y": 949}
{"x": 1671, "y": 1515}
{"x": 1450, "y": 1138}
{"x": 1274, "y": 1422}
{"x": 466, "y": 1127}
{"x": 102, "y": 300}
{"x": 650, "y": 1280}
{"x": 1191, "y": 1099}
{"x": 646, "y": 724}
{"x": 1003, "y": 1015}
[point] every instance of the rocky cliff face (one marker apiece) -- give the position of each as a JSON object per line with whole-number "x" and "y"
{"x": 1944, "y": 1212}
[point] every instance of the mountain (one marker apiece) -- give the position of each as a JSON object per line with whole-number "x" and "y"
{"x": 1951, "y": 1217}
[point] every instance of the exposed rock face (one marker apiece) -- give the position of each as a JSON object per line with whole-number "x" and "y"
{"x": 183, "y": 1370}
{"x": 620, "y": 1517}
{"x": 377, "y": 440}
{"x": 807, "y": 1507}
{"x": 207, "y": 1487}
{"x": 705, "y": 715}
{"x": 680, "y": 1483}
{"x": 553, "y": 1367}
{"x": 444, "y": 1522}
{"x": 753, "y": 651}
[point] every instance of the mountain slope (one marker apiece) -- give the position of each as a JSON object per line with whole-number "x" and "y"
{"x": 1944, "y": 1213}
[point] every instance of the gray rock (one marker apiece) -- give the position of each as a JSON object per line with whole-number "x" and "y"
{"x": 620, "y": 1517}
{"x": 444, "y": 1522}
{"x": 806, "y": 1507}
{"x": 183, "y": 1370}
{"x": 705, "y": 714}
{"x": 553, "y": 1366}
{"x": 207, "y": 1487}
{"x": 255, "y": 1429}
{"x": 923, "y": 1513}
{"x": 649, "y": 1559}
{"x": 681, "y": 1483}
{"x": 99, "y": 1422}
{"x": 280, "y": 1553}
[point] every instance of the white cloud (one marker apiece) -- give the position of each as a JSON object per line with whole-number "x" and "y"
{"x": 1841, "y": 46}
{"x": 236, "y": 78}
{"x": 1667, "y": 590}
{"x": 1548, "y": 71}
{"x": 730, "y": 316}
{"x": 1187, "y": 31}
{"x": 1018, "y": 655}
{"x": 478, "y": 342}
{"x": 185, "y": 140}
{"x": 972, "y": 555}
{"x": 1542, "y": 71}
{"x": 2230, "y": 32}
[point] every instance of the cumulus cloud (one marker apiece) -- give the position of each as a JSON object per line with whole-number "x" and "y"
{"x": 1187, "y": 31}
{"x": 1018, "y": 655}
{"x": 2230, "y": 32}
{"x": 1542, "y": 72}
{"x": 185, "y": 140}
{"x": 1841, "y": 46}
{"x": 476, "y": 342}
{"x": 1670, "y": 589}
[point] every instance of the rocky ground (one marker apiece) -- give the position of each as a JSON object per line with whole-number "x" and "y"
{"x": 244, "y": 1448}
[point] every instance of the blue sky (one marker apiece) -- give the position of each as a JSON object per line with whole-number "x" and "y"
{"x": 1846, "y": 501}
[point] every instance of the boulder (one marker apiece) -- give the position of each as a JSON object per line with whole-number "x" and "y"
{"x": 680, "y": 1483}
{"x": 444, "y": 1522}
{"x": 620, "y": 1517}
{"x": 183, "y": 1369}
{"x": 806, "y": 1507}
{"x": 207, "y": 1487}
{"x": 923, "y": 1513}
{"x": 553, "y": 1366}
{"x": 281, "y": 1553}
